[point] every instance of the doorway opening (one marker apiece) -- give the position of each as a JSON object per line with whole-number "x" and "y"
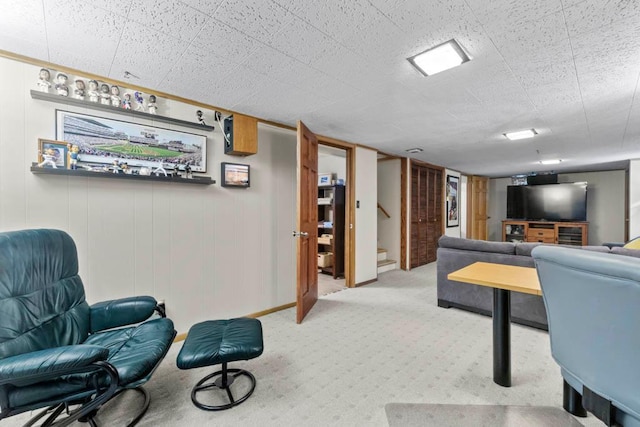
{"x": 332, "y": 219}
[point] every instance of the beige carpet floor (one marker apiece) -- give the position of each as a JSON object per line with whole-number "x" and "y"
{"x": 358, "y": 350}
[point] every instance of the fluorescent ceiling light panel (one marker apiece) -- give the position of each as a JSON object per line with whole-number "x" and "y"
{"x": 442, "y": 57}
{"x": 522, "y": 134}
{"x": 550, "y": 162}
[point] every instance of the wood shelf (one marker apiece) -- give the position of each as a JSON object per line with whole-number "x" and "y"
{"x": 131, "y": 113}
{"x": 202, "y": 180}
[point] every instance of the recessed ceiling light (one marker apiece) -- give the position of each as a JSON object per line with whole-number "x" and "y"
{"x": 522, "y": 134}
{"x": 442, "y": 57}
{"x": 550, "y": 162}
{"x": 414, "y": 150}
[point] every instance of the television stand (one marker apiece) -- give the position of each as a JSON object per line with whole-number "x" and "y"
{"x": 560, "y": 232}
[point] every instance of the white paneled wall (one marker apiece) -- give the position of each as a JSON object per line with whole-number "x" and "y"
{"x": 209, "y": 252}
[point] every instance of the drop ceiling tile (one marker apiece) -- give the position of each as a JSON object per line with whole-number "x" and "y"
{"x": 340, "y": 19}
{"x": 148, "y": 54}
{"x": 278, "y": 66}
{"x": 196, "y": 63}
{"x": 260, "y": 19}
{"x": 170, "y": 17}
{"x": 95, "y": 31}
{"x": 386, "y": 6}
{"x": 13, "y": 21}
{"x": 119, "y": 7}
{"x": 302, "y": 41}
{"x": 32, "y": 48}
{"x": 73, "y": 59}
{"x": 554, "y": 94}
{"x": 501, "y": 15}
{"x": 222, "y": 41}
{"x": 417, "y": 17}
{"x": 531, "y": 36}
{"x": 589, "y": 15}
{"x": 208, "y": 7}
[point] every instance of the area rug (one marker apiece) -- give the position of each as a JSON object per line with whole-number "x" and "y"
{"x": 424, "y": 414}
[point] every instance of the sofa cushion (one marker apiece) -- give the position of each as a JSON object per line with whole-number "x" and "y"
{"x": 507, "y": 248}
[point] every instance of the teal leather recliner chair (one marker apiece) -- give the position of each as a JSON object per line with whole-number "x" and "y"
{"x": 56, "y": 351}
{"x": 593, "y": 309}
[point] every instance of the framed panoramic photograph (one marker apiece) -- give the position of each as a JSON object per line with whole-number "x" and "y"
{"x": 452, "y": 201}
{"x": 104, "y": 140}
{"x": 234, "y": 175}
{"x": 52, "y": 154}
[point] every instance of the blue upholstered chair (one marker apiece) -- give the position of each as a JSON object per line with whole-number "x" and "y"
{"x": 56, "y": 351}
{"x": 593, "y": 309}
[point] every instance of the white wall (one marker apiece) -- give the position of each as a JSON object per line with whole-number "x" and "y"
{"x": 453, "y": 231}
{"x": 366, "y": 227}
{"x": 208, "y": 251}
{"x": 389, "y": 187}
{"x": 333, "y": 164}
{"x": 605, "y": 204}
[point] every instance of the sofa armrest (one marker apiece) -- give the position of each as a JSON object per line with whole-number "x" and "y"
{"x": 36, "y": 366}
{"x": 121, "y": 312}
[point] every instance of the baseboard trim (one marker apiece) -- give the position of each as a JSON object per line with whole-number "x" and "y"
{"x": 366, "y": 283}
{"x": 183, "y": 336}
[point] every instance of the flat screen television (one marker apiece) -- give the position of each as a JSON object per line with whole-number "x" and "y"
{"x": 550, "y": 202}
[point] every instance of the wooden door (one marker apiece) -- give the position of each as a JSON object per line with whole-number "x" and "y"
{"x": 426, "y": 214}
{"x": 307, "y": 222}
{"x": 478, "y": 207}
{"x": 434, "y": 212}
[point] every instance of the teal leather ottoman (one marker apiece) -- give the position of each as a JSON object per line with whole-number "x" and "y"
{"x": 219, "y": 342}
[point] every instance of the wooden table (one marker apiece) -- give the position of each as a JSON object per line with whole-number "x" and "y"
{"x": 503, "y": 279}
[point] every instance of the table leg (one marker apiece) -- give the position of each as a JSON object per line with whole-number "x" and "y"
{"x": 501, "y": 337}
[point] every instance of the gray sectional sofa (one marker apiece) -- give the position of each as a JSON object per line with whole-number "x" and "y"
{"x": 455, "y": 253}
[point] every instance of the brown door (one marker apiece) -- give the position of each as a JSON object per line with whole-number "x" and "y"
{"x": 307, "y": 289}
{"x": 478, "y": 207}
{"x": 426, "y": 213}
{"x": 434, "y": 212}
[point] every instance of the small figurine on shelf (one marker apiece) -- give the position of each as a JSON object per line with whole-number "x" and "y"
{"x": 159, "y": 169}
{"x": 153, "y": 107}
{"x": 125, "y": 168}
{"x": 187, "y": 171}
{"x": 105, "y": 97}
{"x": 43, "y": 80}
{"x": 139, "y": 100}
{"x": 199, "y": 113}
{"x": 126, "y": 102}
{"x": 74, "y": 156}
{"x": 93, "y": 93}
{"x": 78, "y": 92}
{"x": 116, "y": 167}
{"x": 61, "y": 84}
{"x": 115, "y": 96}
{"x": 48, "y": 158}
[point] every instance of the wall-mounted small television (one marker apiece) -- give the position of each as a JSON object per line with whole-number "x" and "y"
{"x": 550, "y": 202}
{"x": 235, "y": 175}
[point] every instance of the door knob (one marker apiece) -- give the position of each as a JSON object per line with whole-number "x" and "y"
{"x": 300, "y": 234}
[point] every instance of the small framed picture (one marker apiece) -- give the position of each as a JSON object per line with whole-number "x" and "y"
{"x": 52, "y": 154}
{"x": 234, "y": 175}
